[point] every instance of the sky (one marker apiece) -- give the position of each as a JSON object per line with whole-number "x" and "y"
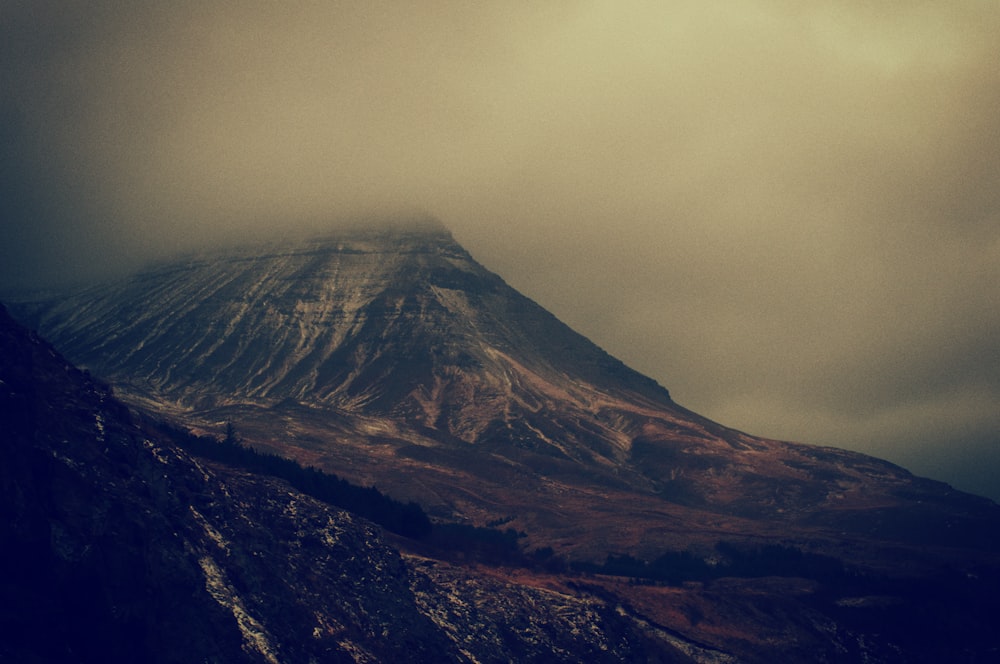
{"x": 788, "y": 213}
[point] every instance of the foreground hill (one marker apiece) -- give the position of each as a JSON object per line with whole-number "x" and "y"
{"x": 119, "y": 546}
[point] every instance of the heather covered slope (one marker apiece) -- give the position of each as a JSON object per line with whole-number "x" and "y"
{"x": 390, "y": 356}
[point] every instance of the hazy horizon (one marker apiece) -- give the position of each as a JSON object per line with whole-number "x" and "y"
{"x": 786, "y": 213}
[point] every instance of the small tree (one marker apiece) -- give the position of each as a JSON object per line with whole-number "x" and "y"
{"x": 232, "y": 438}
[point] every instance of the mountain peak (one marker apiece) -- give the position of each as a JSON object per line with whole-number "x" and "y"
{"x": 390, "y": 357}
{"x": 417, "y": 234}
{"x": 397, "y": 228}
{"x": 388, "y": 354}
{"x": 370, "y": 316}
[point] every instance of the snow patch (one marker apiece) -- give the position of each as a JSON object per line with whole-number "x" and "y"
{"x": 157, "y": 452}
{"x": 255, "y": 636}
{"x": 212, "y": 533}
{"x": 99, "y": 423}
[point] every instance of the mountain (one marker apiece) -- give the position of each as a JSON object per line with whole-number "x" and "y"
{"x": 643, "y": 532}
{"x": 396, "y": 323}
{"x": 391, "y": 357}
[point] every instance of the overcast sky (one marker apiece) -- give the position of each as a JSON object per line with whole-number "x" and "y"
{"x": 787, "y": 212}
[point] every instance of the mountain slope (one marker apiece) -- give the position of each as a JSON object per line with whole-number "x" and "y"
{"x": 392, "y": 323}
{"x": 392, "y": 357}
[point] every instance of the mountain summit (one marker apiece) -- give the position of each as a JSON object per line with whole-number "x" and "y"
{"x": 390, "y": 356}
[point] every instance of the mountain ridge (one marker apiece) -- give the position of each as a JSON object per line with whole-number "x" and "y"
{"x": 425, "y": 255}
{"x": 392, "y": 357}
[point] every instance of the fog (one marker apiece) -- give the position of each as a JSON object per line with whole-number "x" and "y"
{"x": 788, "y": 213}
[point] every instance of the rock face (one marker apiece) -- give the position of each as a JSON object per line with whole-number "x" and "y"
{"x": 392, "y": 358}
{"x": 398, "y": 323}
